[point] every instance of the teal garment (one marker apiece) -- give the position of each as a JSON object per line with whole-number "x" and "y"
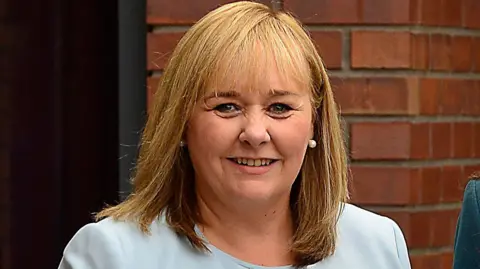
{"x": 467, "y": 237}
{"x": 365, "y": 241}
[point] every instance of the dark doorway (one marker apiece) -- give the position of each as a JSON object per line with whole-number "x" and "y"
{"x": 62, "y": 79}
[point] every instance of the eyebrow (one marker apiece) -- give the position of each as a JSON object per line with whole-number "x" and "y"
{"x": 230, "y": 94}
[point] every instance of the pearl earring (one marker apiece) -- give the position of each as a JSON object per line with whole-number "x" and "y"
{"x": 182, "y": 144}
{"x": 312, "y": 143}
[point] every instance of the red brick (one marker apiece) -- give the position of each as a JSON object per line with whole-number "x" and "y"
{"x": 471, "y": 11}
{"x": 380, "y": 140}
{"x": 476, "y": 97}
{"x": 182, "y": 12}
{"x": 476, "y": 54}
{"x": 159, "y": 48}
{"x": 451, "y": 13}
{"x": 389, "y": 140}
{"x": 427, "y": 261}
{"x": 443, "y": 260}
{"x": 450, "y": 99}
{"x": 369, "y": 185}
{"x": 330, "y": 47}
{"x": 376, "y": 96}
{"x": 441, "y": 184}
{"x": 430, "y": 14}
{"x": 447, "y": 260}
{"x": 378, "y": 49}
{"x": 425, "y": 229}
{"x": 431, "y": 191}
{"x": 452, "y": 183}
{"x": 440, "y": 52}
{"x": 461, "y": 52}
{"x": 430, "y": 95}
{"x": 419, "y": 141}
{"x": 476, "y": 140}
{"x": 463, "y": 140}
{"x": 443, "y": 227}
{"x": 415, "y": 11}
{"x": 441, "y": 134}
{"x": 324, "y": 11}
{"x": 386, "y": 12}
{"x": 470, "y": 94}
{"x": 421, "y": 229}
{"x": 420, "y": 53}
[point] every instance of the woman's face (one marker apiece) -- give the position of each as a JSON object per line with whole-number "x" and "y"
{"x": 250, "y": 144}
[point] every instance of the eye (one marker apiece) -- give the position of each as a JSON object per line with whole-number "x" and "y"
{"x": 279, "y": 108}
{"x": 227, "y": 108}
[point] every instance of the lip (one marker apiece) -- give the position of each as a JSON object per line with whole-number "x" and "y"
{"x": 255, "y": 158}
{"x": 252, "y": 170}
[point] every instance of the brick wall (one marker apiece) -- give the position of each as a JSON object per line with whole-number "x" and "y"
{"x": 406, "y": 74}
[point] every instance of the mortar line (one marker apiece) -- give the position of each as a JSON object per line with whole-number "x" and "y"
{"x": 430, "y": 250}
{"x": 411, "y": 119}
{"x": 346, "y": 50}
{"x": 387, "y": 73}
{"x": 165, "y": 28}
{"x": 415, "y": 163}
{"x": 413, "y": 208}
{"x": 415, "y": 29}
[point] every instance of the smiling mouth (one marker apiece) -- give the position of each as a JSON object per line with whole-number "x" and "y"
{"x": 252, "y": 162}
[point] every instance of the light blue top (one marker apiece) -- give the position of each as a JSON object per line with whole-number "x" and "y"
{"x": 365, "y": 241}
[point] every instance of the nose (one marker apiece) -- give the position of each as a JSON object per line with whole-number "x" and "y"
{"x": 255, "y": 132}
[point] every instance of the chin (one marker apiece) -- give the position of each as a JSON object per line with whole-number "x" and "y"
{"x": 259, "y": 191}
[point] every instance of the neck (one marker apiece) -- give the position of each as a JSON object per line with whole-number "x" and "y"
{"x": 237, "y": 223}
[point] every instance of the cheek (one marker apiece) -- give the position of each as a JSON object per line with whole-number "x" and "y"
{"x": 292, "y": 137}
{"x": 207, "y": 135}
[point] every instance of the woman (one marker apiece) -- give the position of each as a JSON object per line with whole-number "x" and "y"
{"x": 467, "y": 238}
{"x": 242, "y": 162}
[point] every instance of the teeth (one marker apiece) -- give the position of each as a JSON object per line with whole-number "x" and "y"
{"x": 253, "y": 162}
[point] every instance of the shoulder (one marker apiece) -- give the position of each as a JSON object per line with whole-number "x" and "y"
{"x": 469, "y": 219}
{"x": 359, "y": 223}
{"x": 467, "y": 237}
{"x": 119, "y": 244}
{"x": 354, "y": 218}
{"x": 370, "y": 235}
{"x": 472, "y": 194}
{"x": 94, "y": 246}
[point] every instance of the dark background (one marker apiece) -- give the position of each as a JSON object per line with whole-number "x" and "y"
{"x": 60, "y": 120}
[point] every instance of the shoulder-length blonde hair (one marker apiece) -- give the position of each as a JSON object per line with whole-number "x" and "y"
{"x": 235, "y": 42}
